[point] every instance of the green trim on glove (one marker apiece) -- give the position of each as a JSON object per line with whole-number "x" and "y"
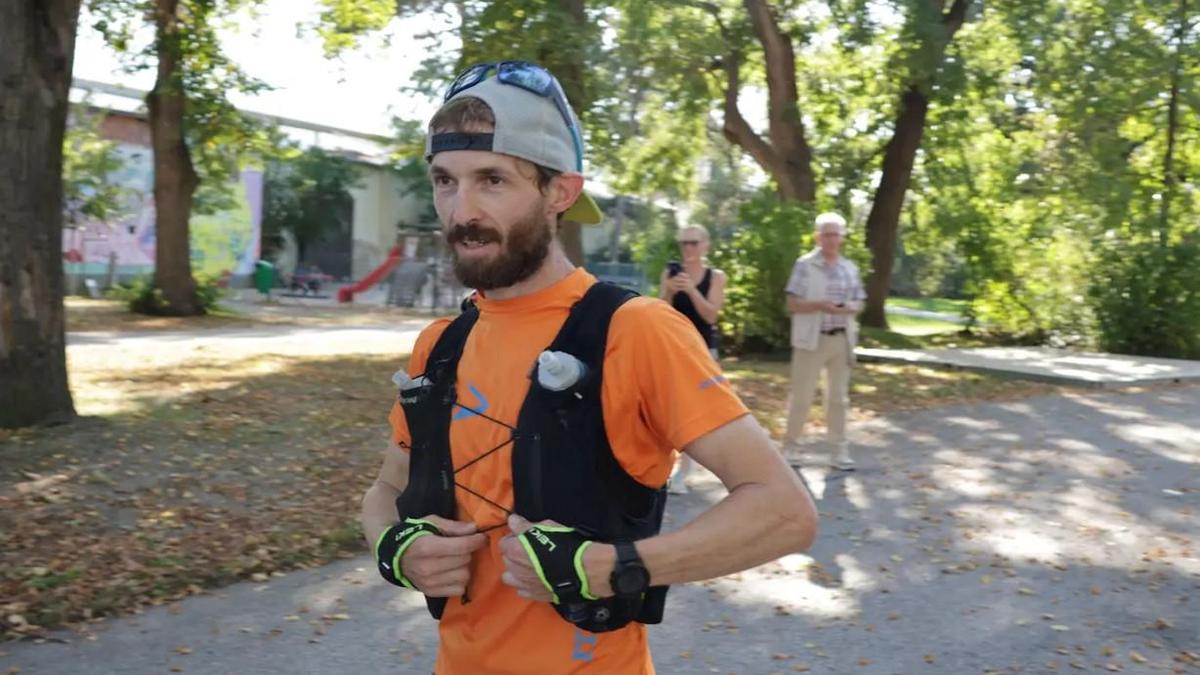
{"x": 391, "y": 545}
{"x": 556, "y": 553}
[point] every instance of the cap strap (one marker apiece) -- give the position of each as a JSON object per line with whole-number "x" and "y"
{"x": 460, "y": 141}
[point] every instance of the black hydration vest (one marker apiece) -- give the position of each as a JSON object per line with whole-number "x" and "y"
{"x": 563, "y": 468}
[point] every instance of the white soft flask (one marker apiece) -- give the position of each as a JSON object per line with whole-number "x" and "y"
{"x": 558, "y": 370}
{"x": 401, "y": 379}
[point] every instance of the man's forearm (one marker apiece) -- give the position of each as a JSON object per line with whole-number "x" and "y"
{"x": 378, "y": 511}
{"x": 744, "y": 529}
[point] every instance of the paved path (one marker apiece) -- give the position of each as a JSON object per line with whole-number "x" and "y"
{"x": 1058, "y": 534}
{"x": 1089, "y": 369}
{"x": 271, "y": 339}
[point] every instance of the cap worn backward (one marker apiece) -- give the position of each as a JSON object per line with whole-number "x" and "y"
{"x": 529, "y": 126}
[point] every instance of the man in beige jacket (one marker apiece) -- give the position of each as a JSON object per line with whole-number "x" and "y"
{"x": 824, "y": 294}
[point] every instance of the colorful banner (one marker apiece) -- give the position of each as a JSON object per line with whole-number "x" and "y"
{"x": 226, "y": 241}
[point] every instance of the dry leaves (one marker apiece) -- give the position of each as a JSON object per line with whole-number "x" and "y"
{"x": 224, "y": 470}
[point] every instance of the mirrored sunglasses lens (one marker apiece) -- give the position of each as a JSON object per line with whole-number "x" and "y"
{"x": 468, "y": 78}
{"x": 531, "y": 77}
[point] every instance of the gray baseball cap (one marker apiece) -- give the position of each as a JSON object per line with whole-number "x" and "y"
{"x": 528, "y": 126}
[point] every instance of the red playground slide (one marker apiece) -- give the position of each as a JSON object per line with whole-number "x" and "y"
{"x": 346, "y": 293}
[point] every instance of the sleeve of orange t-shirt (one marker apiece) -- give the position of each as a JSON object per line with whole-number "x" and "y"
{"x": 662, "y": 389}
{"x": 416, "y": 365}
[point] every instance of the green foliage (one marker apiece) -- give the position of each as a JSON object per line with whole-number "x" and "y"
{"x": 306, "y": 194}
{"x": 143, "y": 298}
{"x": 89, "y": 161}
{"x": 1147, "y": 299}
{"x": 343, "y": 22}
{"x": 221, "y": 139}
{"x": 758, "y": 262}
{"x": 1047, "y": 132}
{"x": 408, "y": 161}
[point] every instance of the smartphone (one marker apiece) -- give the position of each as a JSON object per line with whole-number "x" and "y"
{"x": 674, "y": 267}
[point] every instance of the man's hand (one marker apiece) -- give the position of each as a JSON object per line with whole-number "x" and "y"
{"x": 591, "y": 572}
{"x": 439, "y": 566}
{"x": 518, "y": 568}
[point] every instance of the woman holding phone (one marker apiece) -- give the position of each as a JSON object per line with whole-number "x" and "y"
{"x": 697, "y": 291}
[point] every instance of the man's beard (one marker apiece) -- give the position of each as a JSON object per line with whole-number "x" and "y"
{"x": 521, "y": 252}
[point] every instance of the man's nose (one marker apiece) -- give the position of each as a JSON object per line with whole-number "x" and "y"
{"x": 466, "y": 207}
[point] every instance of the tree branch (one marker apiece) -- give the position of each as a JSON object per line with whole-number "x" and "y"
{"x": 736, "y": 129}
{"x": 782, "y": 114}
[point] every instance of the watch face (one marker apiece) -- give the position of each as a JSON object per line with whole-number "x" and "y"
{"x": 631, "y": 581}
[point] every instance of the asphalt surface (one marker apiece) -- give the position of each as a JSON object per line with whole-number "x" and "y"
{"x": 1052, "y": 535}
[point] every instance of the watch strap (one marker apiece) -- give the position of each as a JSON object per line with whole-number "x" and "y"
{"x": 628, "y": 560}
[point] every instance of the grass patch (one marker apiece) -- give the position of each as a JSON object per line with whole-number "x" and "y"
{"x": 875, "y": 388}
{"x": 890, "y": 339}
{"x": 905, "y": 324}
{"x": 941, "y": 305}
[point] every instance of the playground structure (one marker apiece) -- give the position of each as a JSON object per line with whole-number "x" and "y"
{"x": 346, "y": 293}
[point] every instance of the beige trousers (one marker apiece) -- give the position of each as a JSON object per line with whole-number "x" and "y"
{"x": 832, "y": 356}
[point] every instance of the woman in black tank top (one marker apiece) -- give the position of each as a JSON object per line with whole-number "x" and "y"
{"x": 692, "y": 288}
{"x": 696, "y": 291}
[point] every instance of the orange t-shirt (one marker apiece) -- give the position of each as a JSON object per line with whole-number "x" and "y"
{"x": 661, "y": 391}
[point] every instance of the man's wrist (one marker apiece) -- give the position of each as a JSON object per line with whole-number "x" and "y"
{"x": 599, "y": 561}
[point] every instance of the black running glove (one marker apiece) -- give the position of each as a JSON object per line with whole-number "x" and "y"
{"x": 557, "y": 556}
{"x": 392, "y": 544}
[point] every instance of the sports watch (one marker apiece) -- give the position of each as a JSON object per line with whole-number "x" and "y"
{"x": 630, "y": 578}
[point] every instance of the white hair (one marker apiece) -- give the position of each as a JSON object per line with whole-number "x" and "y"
{"x": 698, "y": 229}
{"x": 830, "y": 218}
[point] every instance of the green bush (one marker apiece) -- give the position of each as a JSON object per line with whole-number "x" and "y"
{"x": 1034, "y": 291}
{"x": 758, "y": 261}
{"x": 143, "y": 298}
{"x": 1146, "y": 298}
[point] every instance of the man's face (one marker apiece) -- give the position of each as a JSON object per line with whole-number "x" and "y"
{"x": 493, "y": 215}
{"x": 829, "y": 238}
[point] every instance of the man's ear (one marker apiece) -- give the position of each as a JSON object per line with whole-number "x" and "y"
{"x": 562, "y": 192}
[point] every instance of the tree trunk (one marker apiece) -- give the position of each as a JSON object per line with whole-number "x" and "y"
{"x": 175, "y": 179}
{"x": 1169, "y": 178}
{"x": 35, "y": 76}
{"x": 883, "y": 223}
{"x": 792, "y": 166}
{"x": 786, "y": 156}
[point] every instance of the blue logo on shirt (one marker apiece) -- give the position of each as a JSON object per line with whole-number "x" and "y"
{"x": 585, "y": 646}
{"x": 465, "y": 411}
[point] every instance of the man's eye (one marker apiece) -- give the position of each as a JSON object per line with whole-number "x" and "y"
{"x": 441, "y": 180}
{"x": 494, "y": 180}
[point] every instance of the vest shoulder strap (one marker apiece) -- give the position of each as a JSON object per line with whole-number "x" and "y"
{"x": 442, "y": 363}
{"x": 586, "y": 327}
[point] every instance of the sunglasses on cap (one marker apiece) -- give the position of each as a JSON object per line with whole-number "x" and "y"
{"x": 530, "y": 77}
